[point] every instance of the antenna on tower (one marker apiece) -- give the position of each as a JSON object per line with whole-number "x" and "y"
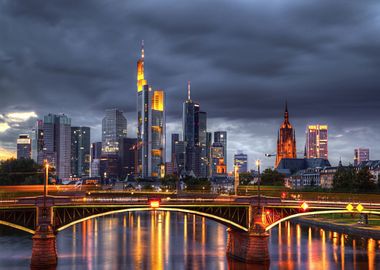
{"x": 188, "y": 90}
{"x": 142, "y": 49}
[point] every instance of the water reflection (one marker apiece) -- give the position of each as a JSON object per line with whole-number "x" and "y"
{"x": 164, "y": 240}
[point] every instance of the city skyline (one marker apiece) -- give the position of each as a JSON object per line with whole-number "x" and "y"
{"x": 243, "y": 97}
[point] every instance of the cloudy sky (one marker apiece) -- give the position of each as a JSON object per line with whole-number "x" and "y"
{"x": 244, "y": 59}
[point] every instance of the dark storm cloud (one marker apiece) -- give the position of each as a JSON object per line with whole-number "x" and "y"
{"x": 244, "y": 59}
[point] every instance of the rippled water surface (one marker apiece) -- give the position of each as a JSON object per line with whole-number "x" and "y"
{"x": 165, "y": 240}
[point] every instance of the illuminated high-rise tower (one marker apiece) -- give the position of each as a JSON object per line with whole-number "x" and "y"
{"x": 150, "y": 125}
{"x": 316, "y": 141}
{"x": 286, "y": 141}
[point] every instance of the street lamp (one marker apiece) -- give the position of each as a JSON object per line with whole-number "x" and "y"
{"x": 258, "y": 184}
{"x": 46, "y": 181}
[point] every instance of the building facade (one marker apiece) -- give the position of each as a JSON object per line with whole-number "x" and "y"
{"x": 114, "y": 127}
{"x": 128, "y": 157}
{"x": 221, "y": 137}
{"x": 286, "y": 140}
{"x": 57, "y": 143}
{"x": 317, "y": 141}
{"x": 241, "y": 162}
{"x": 150, "y": 125}
{"x": 360, "y": 155}
{"x": 24, "y": 147}
{"x": 80, "y": 151}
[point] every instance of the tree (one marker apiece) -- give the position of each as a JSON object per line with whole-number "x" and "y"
{"x": 245, "y": 178}
{"x": 344, "y": 178}
{"x": 272, "y": 178}
{"x": 364, "y": 180}
{"x": 169, "y": 181}
{"x": 202, "y": 184}
{"x": 20, "y": 172}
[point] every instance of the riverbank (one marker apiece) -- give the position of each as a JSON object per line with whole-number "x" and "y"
{"x": 361, "y": 230}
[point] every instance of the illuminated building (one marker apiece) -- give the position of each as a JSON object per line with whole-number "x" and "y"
{"x": 241, "y": 162}
{"x": 80, "y": 151}
{"x": 24, "y": 147}
{"x": 150, "y": 125}
{"x": 360, "y": 155}
{"x": 286, "y": 141}
{"x": 194, "y": 136}
{"x": 114, "y": 127}
{"x": 57, "y": 143}
{"x": 217, "y": 157}
{"x": 316, "y": 141}
{"x": 221, "y": 137}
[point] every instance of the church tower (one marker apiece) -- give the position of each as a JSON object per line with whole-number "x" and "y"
{"x": 286, "y": 140}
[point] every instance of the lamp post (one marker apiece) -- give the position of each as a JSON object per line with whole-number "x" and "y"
{"x": 258, "y": 185}
{"x": 46, "y": 181}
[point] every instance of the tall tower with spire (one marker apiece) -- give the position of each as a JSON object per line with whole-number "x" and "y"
{"x": 286, "y": 140}
{"x": 150, "y": 125}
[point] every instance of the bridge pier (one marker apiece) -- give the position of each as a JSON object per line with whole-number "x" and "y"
{"x": 251, "y": 246}
{"x": 44, "y": 250}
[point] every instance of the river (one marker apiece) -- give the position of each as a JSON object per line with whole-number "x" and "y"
{"x": 167, "y": 240}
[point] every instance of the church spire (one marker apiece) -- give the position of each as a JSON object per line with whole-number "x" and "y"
{"x": 188, "y": 90}
{"x": 286, "y": 115}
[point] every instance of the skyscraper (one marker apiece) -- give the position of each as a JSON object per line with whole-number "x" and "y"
{"x": 360, "y": 155}
{"x": 286, "y": 141}
{"x": 174, "y": 140}
{"x": 241, "y": 161}
{"x": 217, "y": 156}
{"x": 150, "y": 125}
{"x": 114, "y": 127}
{"x": 39, "y": 142}
{"x": 127, "y": 157}
{"x": 80, "y": 151}
{"x": 24, "y": 147}
{"x": 57, "y": 143}
{"x": 96, "y": 153}
{"x": 316, "y": 141}
{"x": 194, "y": 136}
{"x": 221, "y": 137}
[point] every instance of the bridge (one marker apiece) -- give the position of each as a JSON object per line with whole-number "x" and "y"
{"x": 249, "y": 219}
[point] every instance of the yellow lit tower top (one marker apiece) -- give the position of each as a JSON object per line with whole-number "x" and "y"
{"x": 140, "y": 70}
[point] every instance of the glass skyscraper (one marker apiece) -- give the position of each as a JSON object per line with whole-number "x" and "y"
{"x": 150, "y": 125}
{"x": 114, "y": 127}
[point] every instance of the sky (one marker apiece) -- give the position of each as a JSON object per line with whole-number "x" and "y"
{"x": 244, "y": 59}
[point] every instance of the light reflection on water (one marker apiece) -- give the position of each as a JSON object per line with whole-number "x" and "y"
{"x": 165, "y": 240}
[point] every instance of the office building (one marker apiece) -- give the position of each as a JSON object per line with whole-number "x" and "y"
{"x": 150, "y": 125}
{"x": 39, "y": 142}
{"x": 24, "y": 147}
{"x": 360, "y": 155}
{"x": 80, "y": 151}
{"x": 128, "y": 157}
{"x": 114, "y": 127}
{"x": 286, "y": 140}
{"x": 174, "y": 140}
{"x": 57, "y": 143}
{"x": 317, "y": 141}
{"x": 221, "y": 137}
{"x": 194, "y": 124}
{"x": 241, "y": 161}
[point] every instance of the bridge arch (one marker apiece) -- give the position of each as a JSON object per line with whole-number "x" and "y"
{"x": 274, "y": 224}
{"x": 218, "y": 219}
{"x": 18, "y": 227}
